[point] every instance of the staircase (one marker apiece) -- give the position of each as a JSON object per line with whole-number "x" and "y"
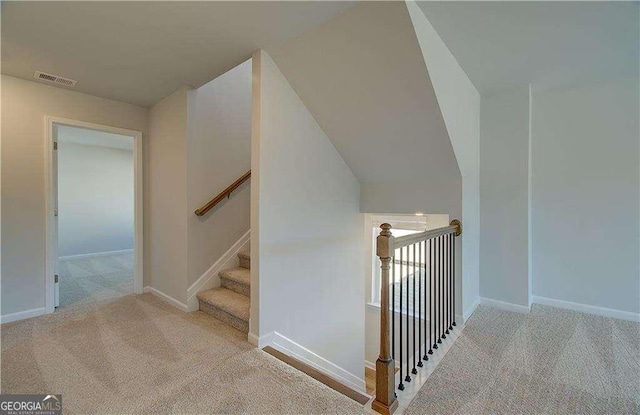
{"x": 230, "y": 303}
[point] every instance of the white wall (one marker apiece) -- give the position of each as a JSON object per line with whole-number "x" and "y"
{"x": 504, "y": 215}
{"x": 585, "y": 203}
{"x": 167, "y": 186}
{"x": 310, "y": 246}
{"x": 219, "y": 152}
{"x": 362, "y": 76}
{"x": 24, "y": 106}
{"x": 460, "y": 105}
{"x": 560, "y": 191}
{"x": 95, "y": 198}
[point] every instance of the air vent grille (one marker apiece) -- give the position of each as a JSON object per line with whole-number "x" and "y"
{"x": 54, "y": 79}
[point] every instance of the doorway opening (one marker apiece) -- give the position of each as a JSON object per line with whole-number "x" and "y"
{"x": 94, "y": 213}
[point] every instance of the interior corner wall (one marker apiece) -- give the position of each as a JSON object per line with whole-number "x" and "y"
{"x": 560, "y": 197}
{"x": 219, "y": 152}
{"x": 585, "y": 195}
{"x": 166, "y": 210}
{"x": 310, "y": 244}
{"x": 504, "y": 206}
{"x": 24, "y": 106}
{"x": 459, "y": 103}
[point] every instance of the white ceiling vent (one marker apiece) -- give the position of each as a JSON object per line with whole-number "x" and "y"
{"x": 55, "y": 79}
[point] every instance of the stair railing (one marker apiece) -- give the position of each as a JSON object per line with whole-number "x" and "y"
{"x": 418, "y": 283}
{"x": 225, "y": 193}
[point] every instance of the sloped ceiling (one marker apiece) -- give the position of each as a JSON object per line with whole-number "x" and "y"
{"x": 141, "y": 51}
{"x": 362, "y": 76}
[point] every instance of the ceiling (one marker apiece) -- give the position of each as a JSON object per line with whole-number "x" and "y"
{"x": 139, "y": 52}
{"x": 548, "y": 44}
{"x": 68, "y": 134}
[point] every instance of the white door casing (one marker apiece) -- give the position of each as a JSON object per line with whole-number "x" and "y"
{"x": 51, "y": 203}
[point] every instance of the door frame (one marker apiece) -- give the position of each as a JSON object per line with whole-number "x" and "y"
{"x": 50, "y": 175}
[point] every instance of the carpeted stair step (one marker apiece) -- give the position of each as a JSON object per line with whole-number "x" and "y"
{"x": 245, "y": 260}
{"x": 227, "y": 306}
{"x": 237, "y": 279}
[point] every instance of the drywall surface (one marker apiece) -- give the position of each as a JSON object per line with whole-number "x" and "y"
{"x": 459, "y": 103}
{"x": 586, "y": 194}
{"x": 24, "y": 106}
{"x": 95, "y": 198}
{"x": 167, "y": 205}
{"x": 219, "y": 152}
{"x": 504, "y": 214}
{"x": 362, "y": 76}
{"x": 310, "y": 246}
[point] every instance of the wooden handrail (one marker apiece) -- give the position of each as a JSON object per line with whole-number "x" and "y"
{"x": 225, "y": 193}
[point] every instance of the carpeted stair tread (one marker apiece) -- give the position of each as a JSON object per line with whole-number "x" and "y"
{"x": 239, "y": 275}
{"x": 228, "y": 301}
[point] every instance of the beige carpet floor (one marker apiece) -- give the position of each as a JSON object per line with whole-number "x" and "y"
{"x": 139, "y": 355}
{"x": 551, "y": 361}
{"x": 93, "y": 279}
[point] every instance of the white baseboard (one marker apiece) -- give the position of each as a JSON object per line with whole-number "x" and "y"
{"x": 589, "y": 309}
{"x": 261, "y": 341}
{"x": 293, "y": 349}
{"x": 21, "y": 315}
{"x": 97, "y": 254}
{"x": 166, "y": 298}
{"x": 469, "y": 311}
{"x": 210, "y": 278}
{"x": 505, "y": 306}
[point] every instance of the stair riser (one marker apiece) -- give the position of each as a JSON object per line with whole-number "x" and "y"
{"x": 245, "y": 263}
{"x": 236, "y": 286}
{"x": 225, "y": 317}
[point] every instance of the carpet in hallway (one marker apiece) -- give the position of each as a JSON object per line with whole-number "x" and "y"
{"x": 552, "y": 361}
{"x": 138, "y": 355}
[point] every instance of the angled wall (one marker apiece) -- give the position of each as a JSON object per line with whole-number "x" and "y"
{"x": 308, "y": 245}
{"x": 460, "y": 105}
{"x": 363, "y": 77}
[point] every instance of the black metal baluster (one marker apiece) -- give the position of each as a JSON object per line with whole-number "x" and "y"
{"x": 438, "y": 291}
{"x": 430, "y": 296}
{"x": 442, "y": 288}
{"x": 414, "y": 370}
{"x": 400, "y": 385}
{"x": 427, "y": 346}
{"x": 445, "y": 278}
{"x": 408, "y": 377}
{"x": 450, "y": 283}
{"x": 436, "y": 334}
{"x": 449, "y": 320}
{"x": 420, "y": 313}
{"x": 453, "y": 278}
